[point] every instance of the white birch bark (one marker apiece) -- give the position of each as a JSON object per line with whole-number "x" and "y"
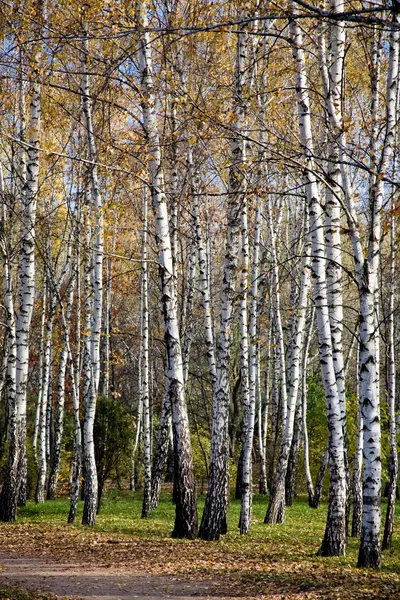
{"x": 139, "y": 412}
{"x": 44, "y": 422}
{"x": 276, "y": 508}
{"x": 263, "y": 409}
{"x": 332, "y": 78}
{"x": 8, "y": 498}
{"x": 59, "y": 412}
{"x": 14, "y": 488}
{"x": 247, "y": 487}
{"x": 40, "y": 376}
{"x": 277, "y": 305}
{"x": 186, "y": 507}
{"x": 214, "y": 516}
{"x": 42, "y": 460}
{"x": 242, "y": 478}
{"x": 49, "y": 407}
{"x": 163, "y": 443}
{"x": 358, "y": 455}
{"x": 304, "y": 391}
{"x": 108, "y": 317}
{"x": 77, "y": 460}
{"x": 27, "y": 263}
{"x": 144, "y": 392}
{"x": 369, "y": 552}
{"x": 173, "y": 221}
{"x": 334, "y": 542}
{"x": 75, "y": 372}
{"x": 391, "y": 395}
{"x": 274, "y": 403}
{"x": 187, "y": 317}
{"x": 205, "y": 291}
{"x": 92, "y": 386}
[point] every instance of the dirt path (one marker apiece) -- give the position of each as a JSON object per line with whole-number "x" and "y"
{"x": 94, "y": 565}
{"x": 97, "y": 583}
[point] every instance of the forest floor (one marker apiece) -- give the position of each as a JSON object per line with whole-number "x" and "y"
{"x": 128, "y": 557}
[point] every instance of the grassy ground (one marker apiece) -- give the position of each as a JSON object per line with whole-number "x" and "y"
{"x": 272, "y": 561}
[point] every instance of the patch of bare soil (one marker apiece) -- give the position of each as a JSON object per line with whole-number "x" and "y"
{"x": 43, "y": 575}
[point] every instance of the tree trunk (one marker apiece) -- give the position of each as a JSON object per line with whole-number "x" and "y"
{"x": 205, "y": 292}
{"x": 163, "y": 443}
{"x": 187, "y": 316}
{"x": 263, "y": 409}
{"x": 42, "y": 463}
{"x": 8, "y": 498}
{"x": 40, "y": 376}
{"x": 108, "y": 317}
{"x": 290, "y": 480}
{"x": 14, "y": 488}
{"x": 369, "y": 552}
{"x": 304, "y": 390}
{"x": 391, "y": 396}
{"x": 357, "y": 470}
{"x": 144, "y": 384}
{"x": 186, "y": 505}
{"x": 92, "y": 371}
{"x": 214, "y": 516}
{"x": 59, "y": 412}
{"x": 334, "y": 542}
{"x": 242, "y": 486}
{"x": 247, "y": 482}
{"x": 75, "y": 371}
{"x": 276, "y": 508}
{"x": 320, "y": 478}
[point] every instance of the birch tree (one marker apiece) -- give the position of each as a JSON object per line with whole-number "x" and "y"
{"x": 334, "y": 542}
{"x": 14, "y": 487}
{"x": 214, "y": 516}
{"x": 144, "y": 384}
{"x": 369, "y": 553}
{"x": 186, "y": 506}
{"x": 92, "y": 372}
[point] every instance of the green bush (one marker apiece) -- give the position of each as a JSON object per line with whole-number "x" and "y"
{"x": 113, "y": 440}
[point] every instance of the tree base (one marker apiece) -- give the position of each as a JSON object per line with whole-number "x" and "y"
{"x": 276, "y": 512}
{"x": 186, "y": 523}
{"x": 211, "y": 529}
{"x": 369, "y": 556}
{"x": 334, "y": 543}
